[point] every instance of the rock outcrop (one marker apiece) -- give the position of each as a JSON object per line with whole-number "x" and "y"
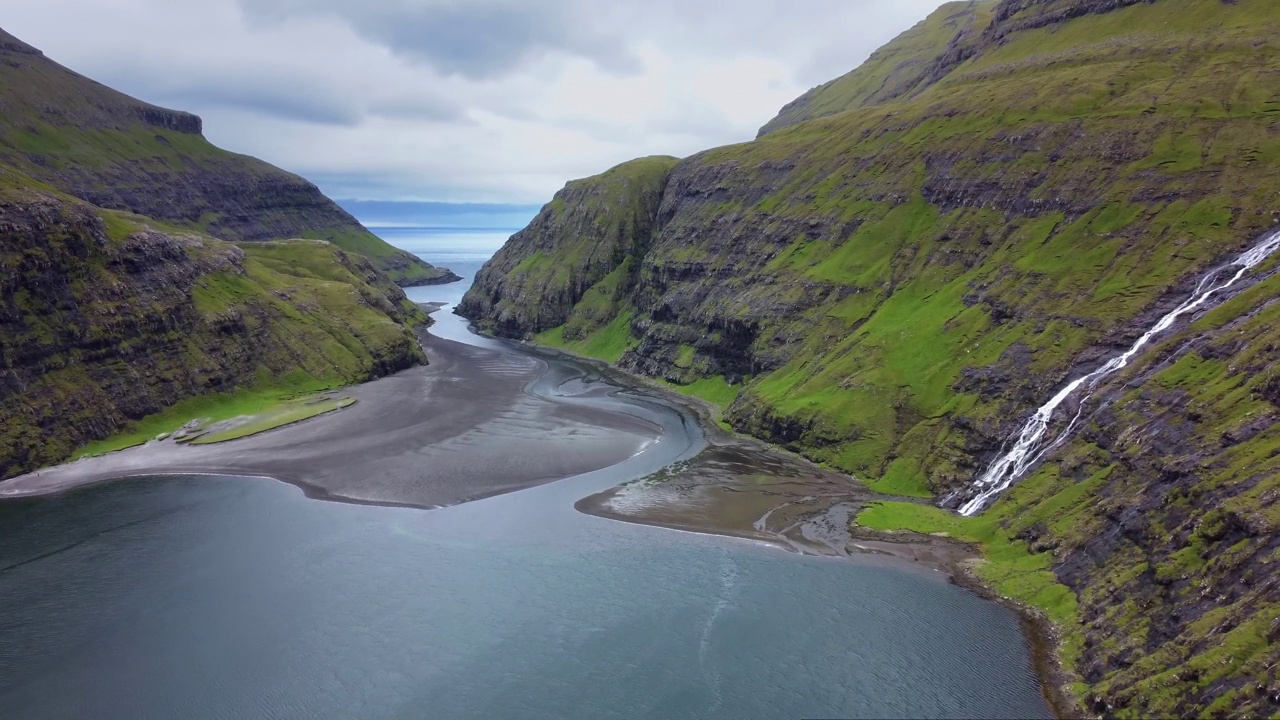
{"x": 592, "y": 236}
{"x": 105, "y": 320}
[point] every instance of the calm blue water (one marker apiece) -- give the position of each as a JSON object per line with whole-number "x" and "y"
{"x": 207, "y": 597}
{"x": 462, "y": 251}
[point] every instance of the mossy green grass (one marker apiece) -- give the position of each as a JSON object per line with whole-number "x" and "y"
{"x": 286, "y": 413}
{"x": 266, "y": 401}
{"x": 606, "y": 344}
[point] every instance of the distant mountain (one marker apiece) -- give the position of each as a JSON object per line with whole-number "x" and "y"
{"x": 89, "y": 141}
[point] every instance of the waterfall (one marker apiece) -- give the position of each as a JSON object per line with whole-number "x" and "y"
{"x": 1029, "y": 446}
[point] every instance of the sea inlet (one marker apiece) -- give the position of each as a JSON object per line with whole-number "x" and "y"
{"x": 427, "y": 560}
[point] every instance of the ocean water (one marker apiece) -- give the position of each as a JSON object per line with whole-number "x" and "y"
{"x": 462, "y": 250}
{"x": 214, "y": 597}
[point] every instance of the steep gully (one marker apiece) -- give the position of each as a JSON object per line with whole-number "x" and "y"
{"x": 1029, "y": 447}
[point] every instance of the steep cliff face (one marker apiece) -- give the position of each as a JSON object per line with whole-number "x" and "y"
{"x": 1162, "y": 515}
{"x": 119, "y": 153}
{"x": 906, "y": 264}
{"x": 591, "y": 237}
{"x": 105, "y": 319}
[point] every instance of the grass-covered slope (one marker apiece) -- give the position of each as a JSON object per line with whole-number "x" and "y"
{"x": 905, "y": 280}
{"x": 577, "y": 260}
{"x": 899, "y": 69}
{"x": 108, "y": 319}
{"x": 895, "y": 286}
{"x": 119, "y": 153}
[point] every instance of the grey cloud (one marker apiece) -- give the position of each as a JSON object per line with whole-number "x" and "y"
{"x": 486, "y": 132}
{"x": 278, "y": 93}
{"x": 274, "y": 101}
{"x": 377, "y": 185}
{"x": 477, "y": 40}
{"x": 422, "y": 108}
{"x": 268, "y": 92}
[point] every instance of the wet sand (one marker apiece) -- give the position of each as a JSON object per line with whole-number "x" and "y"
{"x": 743, "y": 488}
{"x": 477, "y": 421}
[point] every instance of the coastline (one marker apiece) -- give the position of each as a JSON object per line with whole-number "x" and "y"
{"x": 1046, "y": 646}
{"x": 951, "y": 559}
{"x": 955, "y": 558}
{"x": 474, "y": 423}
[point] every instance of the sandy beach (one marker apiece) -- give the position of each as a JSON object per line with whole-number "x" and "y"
{"x": 477, "y": 421}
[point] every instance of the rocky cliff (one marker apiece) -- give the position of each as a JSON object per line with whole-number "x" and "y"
{"x": 105, "y": 319}
{"x": 116, "y": 152}
{"x": 108, "y": 316}
{"x": 590, "y": 237}
{"x": 913, "y": 258}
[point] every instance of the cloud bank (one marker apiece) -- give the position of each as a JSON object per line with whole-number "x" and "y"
{"x": 472, "y": 101}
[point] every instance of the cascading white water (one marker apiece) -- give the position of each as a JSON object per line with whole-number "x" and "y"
{"x": 1029, "y": 446}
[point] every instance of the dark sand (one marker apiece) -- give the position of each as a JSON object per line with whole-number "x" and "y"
{"x": 743, "y": 488}
{"x": 477, "y": 421}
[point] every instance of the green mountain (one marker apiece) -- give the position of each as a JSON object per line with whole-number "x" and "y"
{"x": 898, "y": 70}
{"x": 912, "y": 258}
{"x": 104, "y": 147}
{"x": 114, "y": 322}
{"x": 591, "y": 237}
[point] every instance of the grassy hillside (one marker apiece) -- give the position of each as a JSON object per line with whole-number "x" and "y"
{"x": 895, "y": 286}
{"x": 108, "y": 318}
{"x": 903, "y": 281}
{"x": 900, "y": 69}
{"x": 119, "y": 153}
{"x": 577, "y": 260}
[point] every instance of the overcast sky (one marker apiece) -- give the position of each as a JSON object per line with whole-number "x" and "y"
{"x": 463, "y": 100}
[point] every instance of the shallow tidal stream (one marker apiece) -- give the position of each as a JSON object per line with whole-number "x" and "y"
{"x": 216, "y": 597}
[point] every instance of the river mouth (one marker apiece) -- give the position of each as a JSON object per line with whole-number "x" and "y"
{"x": 480, "y": 420}
{"x": 209, "y": 596}
{"x": 739, "y": 488}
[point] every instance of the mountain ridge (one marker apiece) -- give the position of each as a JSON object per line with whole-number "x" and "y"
{"x": 141, "y": 158}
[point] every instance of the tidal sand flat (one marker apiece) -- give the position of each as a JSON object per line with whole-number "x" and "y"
{"x": 743, "y": 488}
{"x": 476, "y": 422}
